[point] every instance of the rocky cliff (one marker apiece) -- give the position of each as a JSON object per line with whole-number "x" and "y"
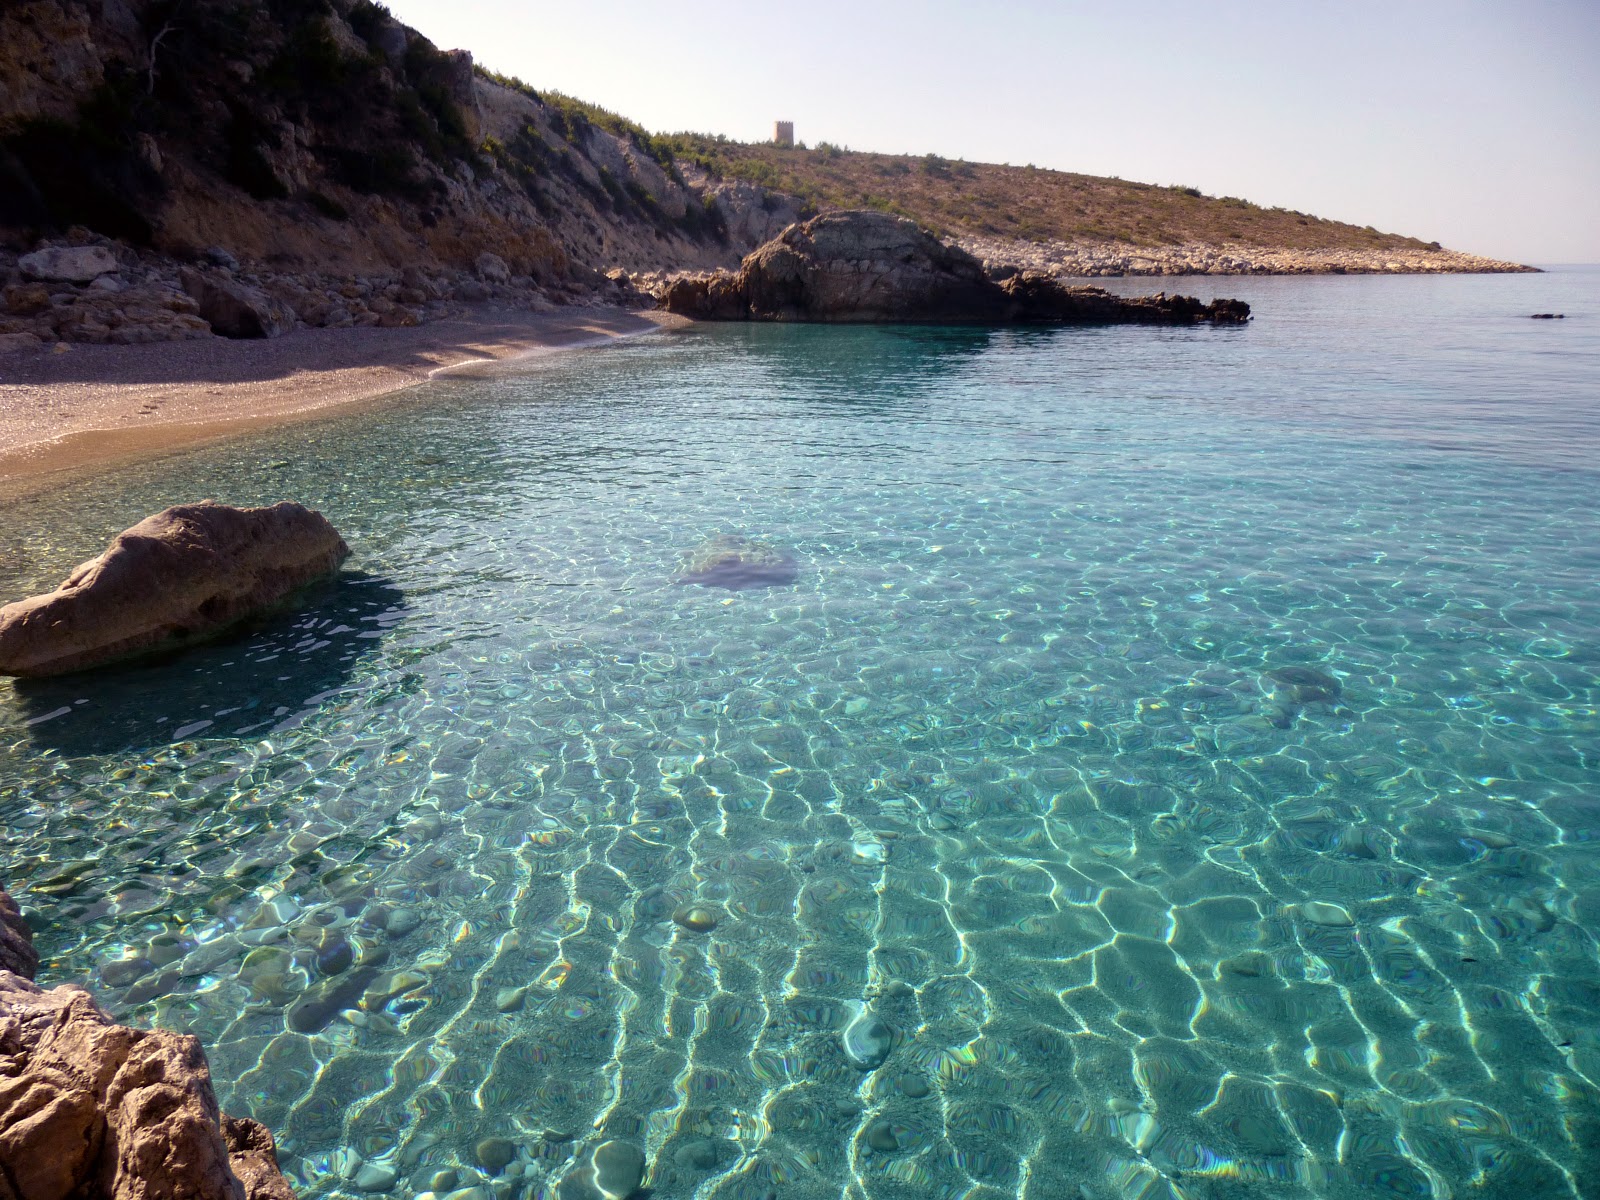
{"x": 323, "y": 134}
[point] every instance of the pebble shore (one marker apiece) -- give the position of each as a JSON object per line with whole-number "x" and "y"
{"x": 1102, "y": 259}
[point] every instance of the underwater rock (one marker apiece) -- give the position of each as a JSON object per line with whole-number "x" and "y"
{"x": 696, "y": 1155}
{"x": 373, "y": 1178}
{"x": 880, "y": 1136}
{"x": 509, "y": 1000}
{"x": 696, "y": 918}
{"x": 92, "y": 1108}
{"x": 618, "y": 1169}
{"x": 868, "y": 853}
{"x": 867, "y": 1040}
{"x": 179, "y": 577}
{"x": 914, "y": 1086}
{"x": 1321, "y": 912}
{"x": 495, "y": 1154}
{"x": 17, "y": 954}
{"x": 733, "y": 561}
{"x": 1305, "y": 685}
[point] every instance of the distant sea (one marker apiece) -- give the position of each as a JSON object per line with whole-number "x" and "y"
{"x": 1168, "y": 767}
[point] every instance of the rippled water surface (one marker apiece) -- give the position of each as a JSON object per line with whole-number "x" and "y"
{"x": 1152, "y": 763}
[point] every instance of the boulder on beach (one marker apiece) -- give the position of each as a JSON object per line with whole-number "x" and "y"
{"x": 68, "y": 264}
{"x": 236, "y": 310}
{"x": 92, "y": 1108}
{"x": 734, "y": 561}
{"x": 875, "y": 267}
{"x": 178, "y": 577}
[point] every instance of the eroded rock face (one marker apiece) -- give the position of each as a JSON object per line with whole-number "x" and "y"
{"x": 93, "y": 1109}
{"x": 176, "y": 578}
{"x": 236, "y": 310}
{"x": 870, "y": 266}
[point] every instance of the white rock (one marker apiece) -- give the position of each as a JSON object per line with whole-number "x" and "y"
{"x": 75, "y": 264}
{"x": 1320, "y": 912}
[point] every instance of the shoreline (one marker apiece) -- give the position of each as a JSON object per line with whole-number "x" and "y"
{"x": 1117, "y": 260}
{"x": 92, "y": 408}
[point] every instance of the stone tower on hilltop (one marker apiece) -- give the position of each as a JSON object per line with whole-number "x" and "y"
{"x": 783, "y": 133}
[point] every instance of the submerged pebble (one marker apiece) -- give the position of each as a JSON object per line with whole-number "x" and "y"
{"x": 508, "y": 1000}
{"x": 618, "y": 1169}
{"x": 880, "y": 1136}
{"x": 1320, "y": 912}
{"x": 868, "y": 853}
{"x": 444, "y": 1181}
{"x": 696, "y": 918}
{"x": 914, "y": 1086}
{"x": 495, "y": 1154}
{"x": 371, "y": 1177}
{"x": 867, "y": 1040}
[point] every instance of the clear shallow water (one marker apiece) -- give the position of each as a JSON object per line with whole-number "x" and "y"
{"x": 1005, "y": 765}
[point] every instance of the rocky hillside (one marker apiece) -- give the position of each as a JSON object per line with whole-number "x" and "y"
{"x": 246, "y": 166}
{"x": 322, "y": 133}
{"x": 1069, "y": 223}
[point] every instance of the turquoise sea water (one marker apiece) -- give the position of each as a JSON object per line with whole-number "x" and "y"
{"x": 1173, "y": 771}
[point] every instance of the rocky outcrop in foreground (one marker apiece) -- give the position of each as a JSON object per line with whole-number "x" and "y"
{"x": 176, "y": 578}
{"x": 1089, "y": 260}
{"x": 92, "y": 1110}
{"x": 870, "y": 266}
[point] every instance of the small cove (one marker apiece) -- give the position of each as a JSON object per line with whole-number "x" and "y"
{"x": 1032, "y": 856}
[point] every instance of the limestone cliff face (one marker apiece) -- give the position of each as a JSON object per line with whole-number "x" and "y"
{"x": 322, "y": 133}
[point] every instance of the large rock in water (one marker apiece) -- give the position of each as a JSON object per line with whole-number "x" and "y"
{"x": 17, "y": 954}
{"x": 176, "y": 578}
{"x": 90, "y": 1109}
{"x": 870, "y": 266}
{"x": 236, "y": 310}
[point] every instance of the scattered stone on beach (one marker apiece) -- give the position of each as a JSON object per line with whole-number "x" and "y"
{"x": 872, "y": 266}
{"x": 495, "y": 1154}
{"x": 236, "y": 310}
{"x": 867, "y": 1039}
{"x": 734, "y": 561}
{"x": 68, "y": 264}
{"x": 696, "y": 918}
{"x": 176, "y": 578}
{"x": 1322, "y": 912}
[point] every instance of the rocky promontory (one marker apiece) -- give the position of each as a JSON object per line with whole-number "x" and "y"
{"x": 1099, "y": 259}
{"x": 93, "y": 1110}
{"x": 872, "y": 266}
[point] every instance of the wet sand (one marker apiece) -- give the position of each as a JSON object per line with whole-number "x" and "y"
{"x": 90, "y": 407}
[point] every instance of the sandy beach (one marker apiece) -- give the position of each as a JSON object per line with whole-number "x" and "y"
{"x": 90, "y": 407}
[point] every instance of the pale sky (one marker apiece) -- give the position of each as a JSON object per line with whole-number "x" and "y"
{"x": 1474, "y": 123}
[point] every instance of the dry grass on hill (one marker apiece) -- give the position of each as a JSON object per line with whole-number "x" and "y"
{"x": 983, "y": 199}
